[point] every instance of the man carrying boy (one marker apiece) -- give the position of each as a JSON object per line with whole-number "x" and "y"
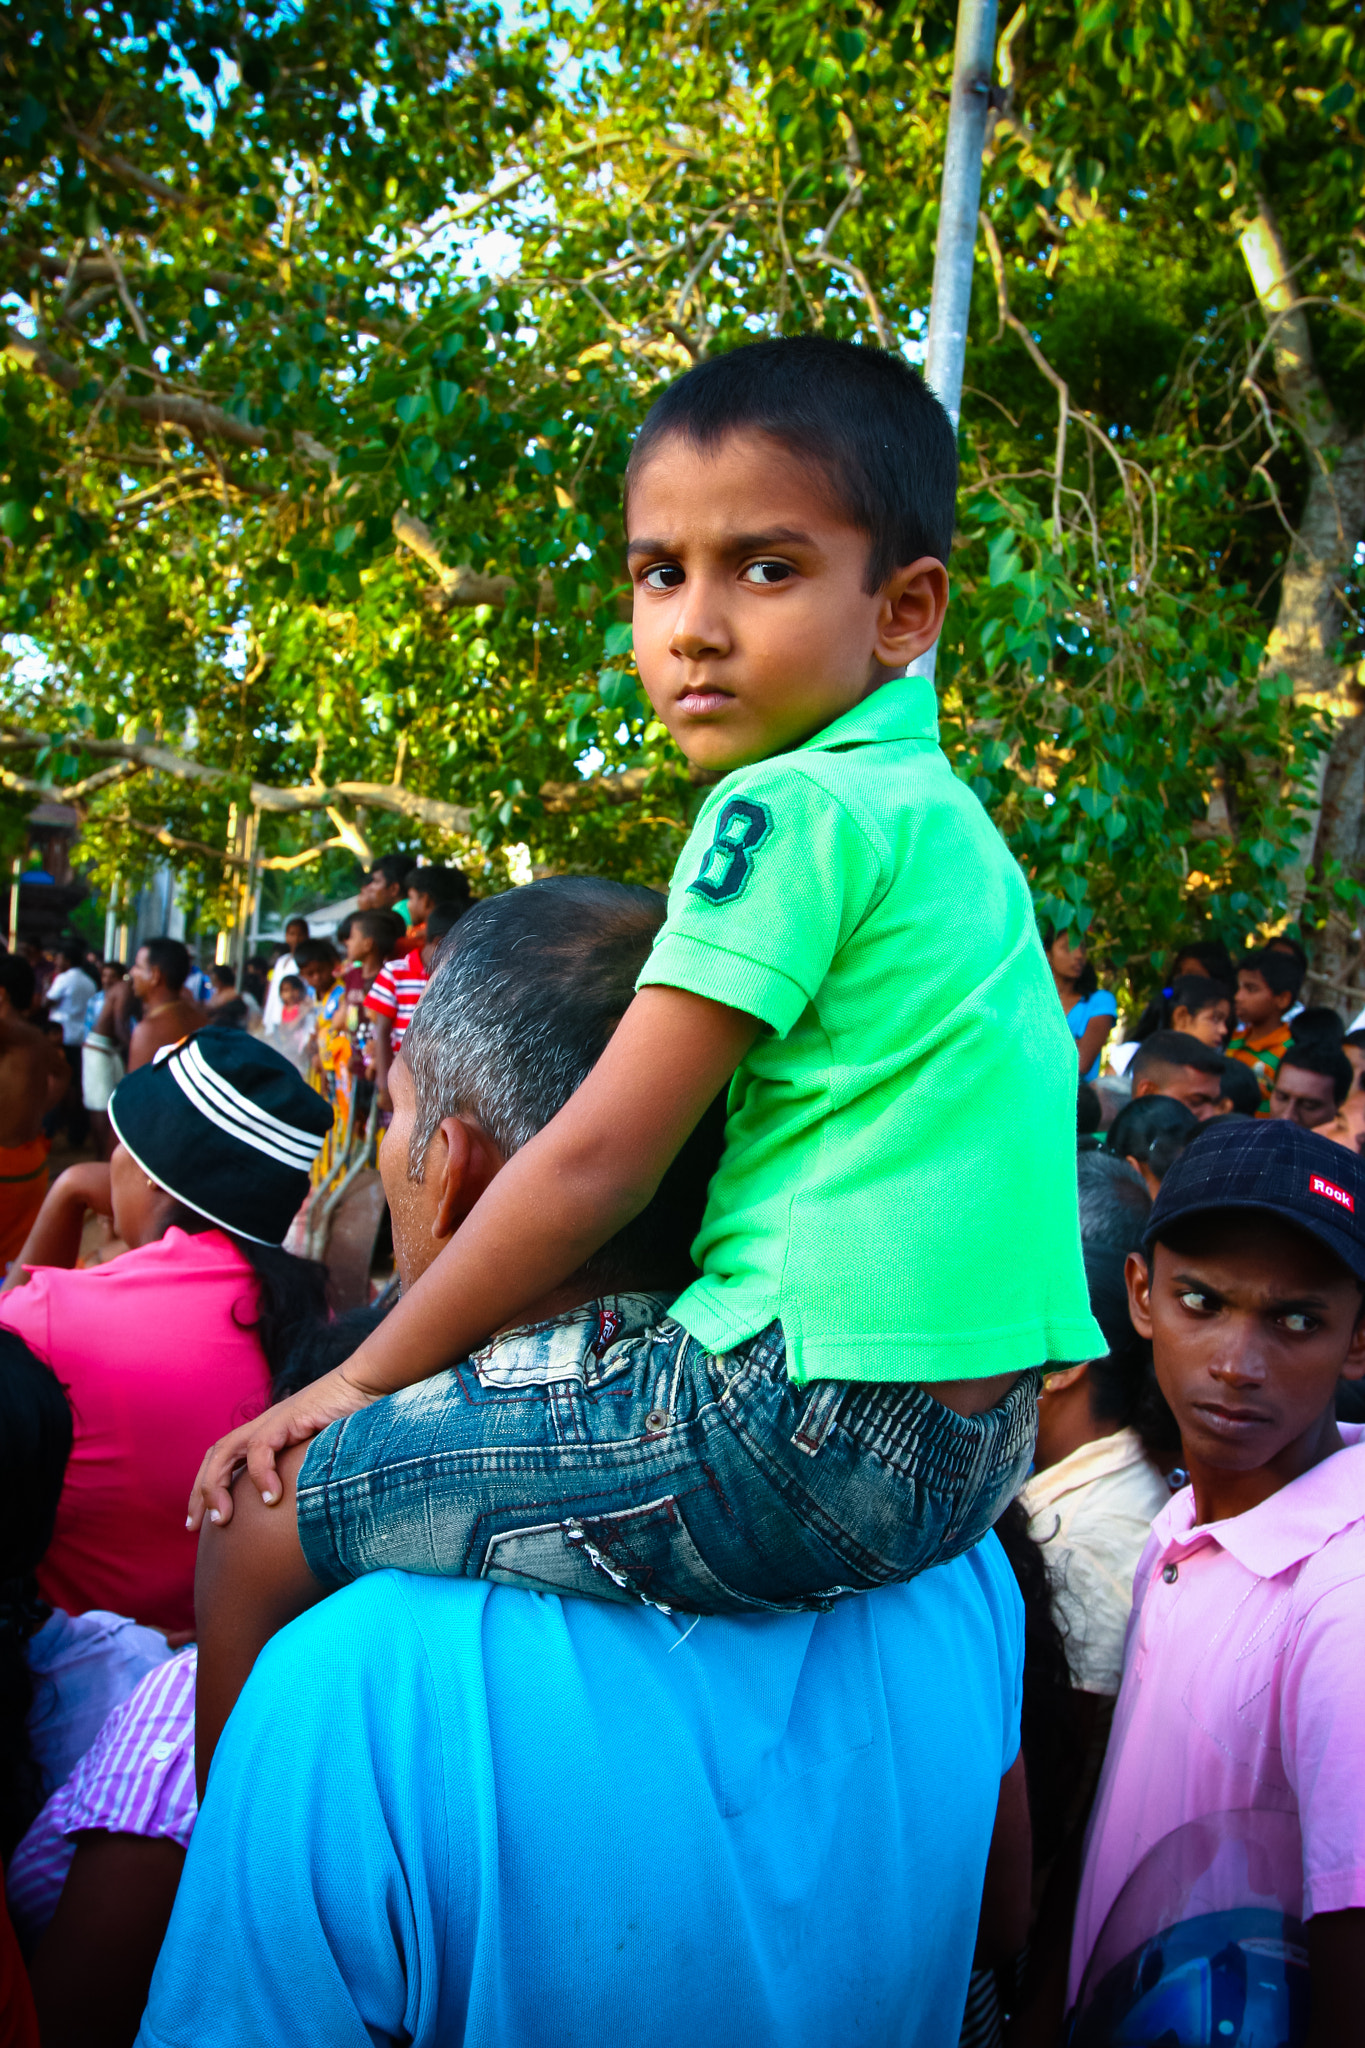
{"x": 1247, "y": 1641}
{"x": 846, "y": 1394}
{"x": 1268, "y": 986}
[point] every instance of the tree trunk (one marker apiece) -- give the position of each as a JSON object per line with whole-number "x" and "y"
{"x": 1311, "y": 613}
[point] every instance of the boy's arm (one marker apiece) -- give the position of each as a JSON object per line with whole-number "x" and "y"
{"x": 55, "y": 1239}
{"x": 558, "y": 1200}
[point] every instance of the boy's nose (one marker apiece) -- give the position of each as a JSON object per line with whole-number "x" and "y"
{"x": 699, "y": 627}
{"x": 1240, "y": 1361}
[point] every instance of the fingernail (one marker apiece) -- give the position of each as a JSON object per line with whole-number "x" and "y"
{"x": 269, "y": 1499}
{"x": 189, "y": 1521}
{"x": 214, "y": 1515}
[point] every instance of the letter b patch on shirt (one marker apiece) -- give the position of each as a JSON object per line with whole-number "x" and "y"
{"x": 741, "y": 828}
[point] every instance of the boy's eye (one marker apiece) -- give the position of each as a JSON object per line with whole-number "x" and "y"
{"x": 663, "y": 576}
{"x": 1300, "y": 1324}
{"x": 765, "y": 573}
{"x": 1194, "y": 1300}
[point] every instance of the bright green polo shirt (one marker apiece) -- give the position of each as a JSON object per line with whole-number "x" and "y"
{"x": 898, "y": 1183}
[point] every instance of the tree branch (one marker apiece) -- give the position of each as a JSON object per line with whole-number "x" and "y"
{"x": 199, "y": 418}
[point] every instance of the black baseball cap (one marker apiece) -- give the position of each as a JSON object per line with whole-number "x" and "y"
{"x": 1274, "y": 1166}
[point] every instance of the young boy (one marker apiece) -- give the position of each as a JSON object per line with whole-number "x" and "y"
{"x": 1267, "y": 986}
{"x": 889, "y": 1251}
{"x": 396, "y": 990}
{"x": 1247, "y": 1638}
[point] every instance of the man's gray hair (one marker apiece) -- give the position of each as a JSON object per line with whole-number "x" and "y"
{"x": 527, "y": 989}
{"x": 1114, "y": 1201}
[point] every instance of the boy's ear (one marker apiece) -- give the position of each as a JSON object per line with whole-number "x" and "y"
{"x": 1137, "y": 1275}
{"x": 913, "y": 602}
{"x": 1353, "y": 1365}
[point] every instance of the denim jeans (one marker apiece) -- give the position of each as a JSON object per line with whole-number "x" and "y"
{"x": 608, "y": 1453}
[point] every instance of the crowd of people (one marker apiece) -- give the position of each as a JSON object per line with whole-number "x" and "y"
{"x": 851, "y": 1524}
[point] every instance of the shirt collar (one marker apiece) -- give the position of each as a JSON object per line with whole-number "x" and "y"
{"x": 1287, "y": 1528}
{"x": 903, "y": 709}
{"x": 1099, "y": 1459}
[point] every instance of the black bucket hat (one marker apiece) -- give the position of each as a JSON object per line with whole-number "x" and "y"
{"x": 1274, "y": 1166}
{"x": 227, "y": 1126}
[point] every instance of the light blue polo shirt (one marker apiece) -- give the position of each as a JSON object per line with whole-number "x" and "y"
{"x": 452, "y": 1813}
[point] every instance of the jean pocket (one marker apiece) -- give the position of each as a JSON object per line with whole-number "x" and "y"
{"x": 645, "y": 1553}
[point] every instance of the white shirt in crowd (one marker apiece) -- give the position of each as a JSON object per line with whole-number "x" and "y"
{"x": 270, "y": 1016}
{"x": 67, "y": 995}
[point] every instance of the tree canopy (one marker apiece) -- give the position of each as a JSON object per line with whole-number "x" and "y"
{"x": 329, "y": 329}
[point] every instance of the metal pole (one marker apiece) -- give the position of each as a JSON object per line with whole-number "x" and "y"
{"x": 960, "y": 202}
{"x": 14, "y": 904}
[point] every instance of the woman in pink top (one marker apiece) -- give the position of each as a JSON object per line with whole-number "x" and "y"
{"x": 167, "y": 1346}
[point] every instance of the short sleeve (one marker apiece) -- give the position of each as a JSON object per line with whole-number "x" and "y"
{"x": 381, "y": 996}
{"x": 25, "y": 1310}
{"x": 1323, "y": 1744}
{"x": 775, "y": 876}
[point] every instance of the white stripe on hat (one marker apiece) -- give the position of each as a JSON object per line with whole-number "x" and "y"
{"x": 235, "y": 1113}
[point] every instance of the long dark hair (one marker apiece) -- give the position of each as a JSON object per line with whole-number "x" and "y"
{"x": 1192, "y": 992}
{"x": 35, "y": 1443}
{"x": 291, "y": 1292}
{"x": 1049, "y": 1735}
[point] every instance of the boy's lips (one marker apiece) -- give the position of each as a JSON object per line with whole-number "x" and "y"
{"x": 698, "y": 701}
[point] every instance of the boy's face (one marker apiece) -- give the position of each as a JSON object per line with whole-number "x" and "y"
{"x": 1257, "y": 1003}
{"x": 1250, "y": 1334}
{"x": 318, "y": 976}
{"x": 358, "y": 943}
{"x": 420, "y": 906}
{"x": 752, "y": 627}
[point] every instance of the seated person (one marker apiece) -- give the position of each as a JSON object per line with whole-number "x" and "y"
{"x": 1268, "y": 987}
{"x": 1148, "y": 1134}
{"x": 1248, "y": 1632}
{"x": 1178, "y": 1065}
{"x": 438, "y": 1763}
{"x": 1311, "y": 1083}
{"x": 174, "y": 1338}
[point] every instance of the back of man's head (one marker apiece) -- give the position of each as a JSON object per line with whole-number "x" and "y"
{"x": 525, "y": 996}
{"x": 1114, "y": 1202}
{"x": 382, "y": 928}
{"x": 861, "y": 416}
{"x": 392, "y": 869}
{"x": 1320, "y": 1056}
{"x": 1280, "y": 971}
{"x": 1166, "y": 1052}
{"x": 170, "y": 960}
{"x": 1318, "y": 1023}
{"x": 440, "y": 885}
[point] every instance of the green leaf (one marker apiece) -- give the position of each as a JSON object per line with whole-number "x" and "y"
{"x": 618, "y": 638}
{"x": 14, "y": 519}
{"x": 447, "y": 397}
{"x": 291, "y": 376}
{"x": 343, "y": 540}
{"x": 616, "y": 688}
{"x": 411, "y": 406}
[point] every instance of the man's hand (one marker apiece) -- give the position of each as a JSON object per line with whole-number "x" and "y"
{"x": 256, "y": 1445}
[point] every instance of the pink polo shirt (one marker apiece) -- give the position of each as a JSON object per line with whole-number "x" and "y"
{"x": 1242, "y": 1688}
{"x": 153, "y": 1354}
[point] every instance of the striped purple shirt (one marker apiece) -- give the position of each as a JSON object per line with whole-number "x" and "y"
{"x": 137, "y": 1778}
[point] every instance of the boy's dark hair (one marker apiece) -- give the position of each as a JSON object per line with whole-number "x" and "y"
{"x": 1317, "y": 1056}
{"x": 1354, "y": 1038}
{"x": 170, "y": 959}
{"x": 1241, "y": 1088}
{"x": 394, "y": 867}
{"x": 860, "y": 415}
{"x": 382, "y": 927}
{"x": 1089, "y": 1115}
{"x": 1282, "y": 943}
{"x": 314, "y": 953}
{"x": 17, "y": 980}
{"x": 1214, "y": 958}
{"x": 444, "y": 919}
{"x": 1279, "y": 971}
{"x": 1154, "y": 1130}
{"x": 1175, "y": 1049}
{"x": 224, "y": 977}
{"x": 442, "y": 885}
{"x": 1319, "y": 1023}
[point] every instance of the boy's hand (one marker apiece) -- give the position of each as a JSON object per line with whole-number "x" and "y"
{"x": 257, "y": 1444}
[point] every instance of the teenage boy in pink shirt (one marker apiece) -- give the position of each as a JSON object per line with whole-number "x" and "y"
{"x": 1246, "y": 1645}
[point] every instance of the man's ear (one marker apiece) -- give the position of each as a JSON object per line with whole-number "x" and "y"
{"x": 1353, "y": 1365}
{"x": 1065, "y": 1376}
{"x": 463, "y": 1159}
{"x": 1138, "y": 1277}
{"x": 1147, "y": 1086}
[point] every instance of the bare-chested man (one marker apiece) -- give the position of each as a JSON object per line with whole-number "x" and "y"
{"x": 168, "y": 1014}
{"x": 33, "y": 1079}
{"x": 104, "y": 1056}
